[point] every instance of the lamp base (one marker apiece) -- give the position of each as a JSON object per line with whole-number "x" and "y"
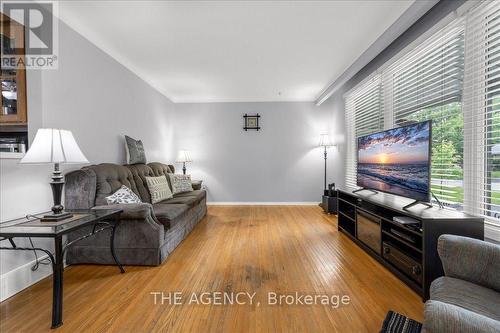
{"x": 56, "y": 217}
{"x": 57, "y": 185}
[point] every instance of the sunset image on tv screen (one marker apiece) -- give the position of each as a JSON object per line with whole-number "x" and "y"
{"x": 396, "y": 161}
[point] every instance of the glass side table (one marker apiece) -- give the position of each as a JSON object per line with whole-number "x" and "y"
{"x": 100, "y": 220}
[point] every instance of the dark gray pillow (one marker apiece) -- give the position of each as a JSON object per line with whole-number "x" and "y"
{"x": 135, "y": 151}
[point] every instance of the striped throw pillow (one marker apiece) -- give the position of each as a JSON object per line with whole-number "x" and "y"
{"x": 158, "y": 188}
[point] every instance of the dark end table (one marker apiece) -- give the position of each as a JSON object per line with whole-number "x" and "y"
{"x": 100, "y": 220}
{"x": 329, "y": 203}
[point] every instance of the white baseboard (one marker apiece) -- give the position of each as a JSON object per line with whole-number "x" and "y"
{"x": 261, "y": 203}
{"x": 21, "y": 278}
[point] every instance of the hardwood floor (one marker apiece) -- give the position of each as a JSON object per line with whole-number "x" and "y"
{"x": 261, "y": 249}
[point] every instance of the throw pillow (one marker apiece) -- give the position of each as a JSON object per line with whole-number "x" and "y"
{"x": 180, "y": 183}
{"x": 135, "y": 151}
{"x": 158, "y": 188}
{"x": 124, "y": 195}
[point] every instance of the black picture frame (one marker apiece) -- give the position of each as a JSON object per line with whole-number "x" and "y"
{"x": 251, "y": 122}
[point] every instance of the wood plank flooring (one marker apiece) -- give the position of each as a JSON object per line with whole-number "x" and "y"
{"x": 261, "y": 249}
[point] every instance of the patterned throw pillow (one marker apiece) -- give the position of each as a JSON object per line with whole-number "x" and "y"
{"x": 124, "y": 195}
{"x": 158, "y": 188}
{"x": 180, "y": 183}
{"x": 135, "y": 151}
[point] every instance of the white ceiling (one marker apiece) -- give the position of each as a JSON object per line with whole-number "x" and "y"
{"x": 221, "y": 51}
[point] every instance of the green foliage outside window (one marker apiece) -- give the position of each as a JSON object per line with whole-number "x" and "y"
{"x": 447, "y": 150}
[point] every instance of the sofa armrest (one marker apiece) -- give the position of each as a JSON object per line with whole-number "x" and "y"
{"x": 471, "y": 260}
{"x": 135, "y": 211}
{"x": 447, "y": 318}
{"x": 80, "y": 189}
{"x": 196, "y": 184}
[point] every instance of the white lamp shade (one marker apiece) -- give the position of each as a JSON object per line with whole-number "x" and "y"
{"x": 54, "y": 146}
{"x": 324, "y": 141}
{"x": 183, "y": 156}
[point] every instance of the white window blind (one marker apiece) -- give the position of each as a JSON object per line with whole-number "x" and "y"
{"x": 364, "y": 115}
{"x": 482, "y": 110}
{"x": 427, "y": 84}
{"x": 453, "y": 79}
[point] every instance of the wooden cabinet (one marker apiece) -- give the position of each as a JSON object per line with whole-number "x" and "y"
{"x": 13, "y": 78}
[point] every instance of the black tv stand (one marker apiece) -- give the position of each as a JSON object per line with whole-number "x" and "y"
{"x": 408, "y": 250}
{"x": 417, "y": 202}
{"x": 365, "y": 189}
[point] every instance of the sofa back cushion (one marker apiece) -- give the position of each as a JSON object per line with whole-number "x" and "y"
{"x": 139, "y": 173}
{"x": 109, "y": 178}
{"x": 160, "y": 169}
{"x": 89, "y": 186}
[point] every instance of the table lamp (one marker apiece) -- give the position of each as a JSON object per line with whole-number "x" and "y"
{"x": 324, "y": 141}
{"x": 54, "y": 146}
{"x": 183, "y": 157}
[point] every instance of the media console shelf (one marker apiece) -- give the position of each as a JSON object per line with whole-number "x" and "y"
{"x": 408, "y": 251}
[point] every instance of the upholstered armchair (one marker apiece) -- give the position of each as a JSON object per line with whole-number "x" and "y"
{"x": 467, "y": 298}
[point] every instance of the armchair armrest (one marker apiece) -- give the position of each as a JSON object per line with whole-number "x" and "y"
{"x": 135, "y": 211}
{"x": 447, "y": 318}
{"x": 471, "y": 260}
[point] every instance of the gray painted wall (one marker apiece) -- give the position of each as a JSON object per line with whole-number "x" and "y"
{"x": 99, "y": 100}
{"x": 279, "y": 163}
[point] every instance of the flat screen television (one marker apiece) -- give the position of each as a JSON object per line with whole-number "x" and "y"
{"x": 397, "y": 161}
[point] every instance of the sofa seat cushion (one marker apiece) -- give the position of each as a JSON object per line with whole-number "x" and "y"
{"x": 190, "y": 201}
{"x": 466, "y": 295}
{"x": 169, "y": 214}
{"x": 447, "y": 318}
{"x": 197, "y": 194}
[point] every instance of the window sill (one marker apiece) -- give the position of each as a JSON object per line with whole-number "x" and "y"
{"x": 492, "y": 231}
{"x": 13, "y": 156}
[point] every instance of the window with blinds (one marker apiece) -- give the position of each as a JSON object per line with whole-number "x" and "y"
{"x": 427, "y": 84}
{"x": 453, "y": 79}
{"x": 364, "y": 115}
{"x": 482, "y": 110}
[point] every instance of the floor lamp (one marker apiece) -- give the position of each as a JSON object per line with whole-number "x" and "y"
{"x": 324, "y": 141}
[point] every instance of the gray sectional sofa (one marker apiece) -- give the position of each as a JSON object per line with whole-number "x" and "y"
{"x": 467, "y": 298}
{"x": 147, "y": 233}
